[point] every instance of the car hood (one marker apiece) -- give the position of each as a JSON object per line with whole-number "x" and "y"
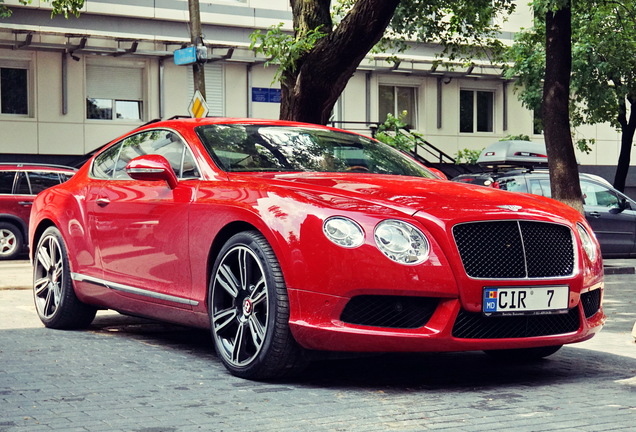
{"x": 441, "y": 199}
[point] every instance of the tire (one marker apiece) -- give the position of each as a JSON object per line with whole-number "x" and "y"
{"x": 524, "y": 354}
{"x": 11, "y": 241}
{"x": 53, "y": 292}
{"x": 249, "y": 311}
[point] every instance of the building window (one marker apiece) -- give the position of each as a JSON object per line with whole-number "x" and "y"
{"x": 14, "y": 96}
{"x": 537, "y": 122}
{"x": 114, "y": 93}
{"x": 476, "y": 111}
{"x": 396, "y": 100}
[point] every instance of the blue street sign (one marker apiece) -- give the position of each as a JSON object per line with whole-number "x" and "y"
{"x": 265, "y": 94}
{"x": 185, "y": 56}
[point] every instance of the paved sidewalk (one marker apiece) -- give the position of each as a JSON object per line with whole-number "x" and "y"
{"x": 127, "y": 374}
{"x": 16, "y": 274}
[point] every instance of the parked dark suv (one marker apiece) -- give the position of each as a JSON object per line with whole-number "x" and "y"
{"x": 19, "y": 183}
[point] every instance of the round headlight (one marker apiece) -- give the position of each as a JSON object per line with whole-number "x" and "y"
{"x": 589, "y": 246}
{"x": 343, "y": 232}
{"x": 401, "y": 242}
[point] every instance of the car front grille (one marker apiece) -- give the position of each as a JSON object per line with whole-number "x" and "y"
{"x": 591, "y": 302}
{"x": 515, "y": 249}
{"x": 389, "y": 311}
{"x": 473, "y": 325}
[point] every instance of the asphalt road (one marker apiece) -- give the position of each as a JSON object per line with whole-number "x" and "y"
{"x": 128, "y": 374}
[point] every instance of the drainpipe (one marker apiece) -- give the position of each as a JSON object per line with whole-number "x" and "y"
{"x": 64, "y": 84}
{"x": 249, "y": 91}
{"x": 162, "y": 89}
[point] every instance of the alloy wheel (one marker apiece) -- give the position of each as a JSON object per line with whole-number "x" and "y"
{"x": 8, "y": 243}
{"x": 48, "y": 277}
{"x": 240, "y": 306}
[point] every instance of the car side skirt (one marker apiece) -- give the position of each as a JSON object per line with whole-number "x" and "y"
{"x": 133, "y": 290}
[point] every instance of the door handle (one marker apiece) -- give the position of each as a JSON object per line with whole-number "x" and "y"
{"x": 103, "y": 202}
{"x": 595, "y": 214}
{"x": 25, "y": 203}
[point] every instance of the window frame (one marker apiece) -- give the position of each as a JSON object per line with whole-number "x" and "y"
{"x": 93, "y": 96}
{"x": 475, "y": 111}
{"x": 25, "y": 65}
{"x": 412, "y": 117}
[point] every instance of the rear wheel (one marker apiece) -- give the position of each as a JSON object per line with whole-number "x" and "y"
{"x": 524, "y": 354}
{"x": 55, "y": 300}
{"x": 249, "y": 311}
{"x": 11, "y": 241}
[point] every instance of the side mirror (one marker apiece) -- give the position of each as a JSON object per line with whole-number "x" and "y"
{"x": 152, "y": 168}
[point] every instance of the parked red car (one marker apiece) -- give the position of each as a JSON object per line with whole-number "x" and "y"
{"x": 19, "y": 183}
{"x": 284, "y": 237}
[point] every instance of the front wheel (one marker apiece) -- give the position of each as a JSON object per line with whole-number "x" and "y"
{"x": 55, "y": 300}
{"x": 249, "y": 311}
{"x": 524, "y": 354}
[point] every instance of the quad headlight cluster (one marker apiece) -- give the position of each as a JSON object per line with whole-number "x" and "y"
{"x": 399, "y": 241}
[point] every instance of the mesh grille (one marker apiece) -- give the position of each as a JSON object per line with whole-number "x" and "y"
{"x": 471, "y": 325}
{"x": 591, "y": 302}
{"x": 515, "y": 249}
{"x": 389, "y": 311}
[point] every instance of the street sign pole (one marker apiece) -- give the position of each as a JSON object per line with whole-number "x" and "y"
{"x": 198, "y": 71}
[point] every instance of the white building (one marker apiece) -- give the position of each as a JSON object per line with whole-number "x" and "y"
{"x": 71, "y": 85}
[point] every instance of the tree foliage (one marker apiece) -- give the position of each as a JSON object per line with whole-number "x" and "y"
{"x": 603, "y": 80}
{"x": 330, "y": 42}
{"x": 60, "y": 7}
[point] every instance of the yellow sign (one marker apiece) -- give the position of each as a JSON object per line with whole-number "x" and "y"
{"x": 198, "y": 107}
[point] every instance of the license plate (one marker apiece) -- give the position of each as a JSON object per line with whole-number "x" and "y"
{"x": 526, "y": 300}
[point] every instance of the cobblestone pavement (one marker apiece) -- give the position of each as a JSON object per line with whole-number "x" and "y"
{"x": 127, "y": 374}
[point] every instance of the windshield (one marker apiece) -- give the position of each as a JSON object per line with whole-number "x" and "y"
{"x": 260, "y": 148}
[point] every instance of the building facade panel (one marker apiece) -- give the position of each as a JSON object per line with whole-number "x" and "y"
{"x": 75, "y": 71}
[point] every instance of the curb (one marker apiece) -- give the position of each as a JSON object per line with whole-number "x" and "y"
{"x": 618, "y": 270}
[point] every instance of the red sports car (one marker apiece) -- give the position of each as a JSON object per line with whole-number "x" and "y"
{"x": 284, "y": 237}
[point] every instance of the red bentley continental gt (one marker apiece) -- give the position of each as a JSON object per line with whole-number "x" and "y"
{"x": 285, "y": 237}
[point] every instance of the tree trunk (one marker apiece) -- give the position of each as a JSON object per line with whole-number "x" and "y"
{"x": 198, "y": 69}
{"x": 310, "y": 91}
{"x": 627, "y": 138}
{"x": 564, "y": 173}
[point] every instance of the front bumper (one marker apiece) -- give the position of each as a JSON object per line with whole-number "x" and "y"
{"x": 316, "y": 323}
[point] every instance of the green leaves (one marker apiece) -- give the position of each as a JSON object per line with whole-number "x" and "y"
{"x": 283, "y": 48}
{"x": 394, "y": 133}
{"x": 603, "y": 63}
{"x": 60, "y": 7}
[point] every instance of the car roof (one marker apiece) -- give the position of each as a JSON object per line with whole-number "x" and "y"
{"x": 179, "y": 121}
{"x": 513, "y": 153}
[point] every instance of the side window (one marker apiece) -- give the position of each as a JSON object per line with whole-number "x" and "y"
{"x": 540, "y": 187}
{"x": 513, "y": 184}
{"x": 42, "y": 180}
{"x": 6, "y": 181}
{"x": 159, "y": 142}
{"x": 104, "y": 164}
{"x": 22, "y": 184}
{"x": 597, "y": 195}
